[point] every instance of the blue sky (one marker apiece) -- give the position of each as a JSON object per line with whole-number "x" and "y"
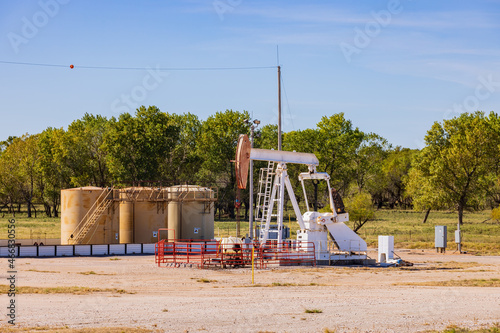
{"x": 393, "y": 67}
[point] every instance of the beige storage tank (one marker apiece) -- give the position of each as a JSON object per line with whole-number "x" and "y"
{"x": 191, "y": 212}
{"x": 174, "y": 214}
{"x": 136, "y": 213}
{"x": 126, "y": 222}
{"x": 143, "y": 211}
{"x": 75, "y": 203}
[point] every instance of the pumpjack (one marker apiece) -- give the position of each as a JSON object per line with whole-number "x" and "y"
{"x": 315, "y": 227}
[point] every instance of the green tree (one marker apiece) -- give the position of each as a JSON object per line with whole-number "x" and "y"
{"x": 455, "y": 167}
{"x": 368, "y": 160}
{"x": 9, "y": 191}
{"x": 20, "y": 171}
{"x": 184, "y": 161}
{"x": 338, "y": 142}
{"x": 266, "y": 137}
{"x": 83, "y": 151}
{"x": 6, "y": 143}
{"x": 139, "y": 147}
{"x": 305, "y": 141}
{"x": 495, "y": 213}
{"x": 56, "y": 175}
{"x": 360, "y": 209}
{"x": 217, "y": 147}
{"x": 389, "y": 185}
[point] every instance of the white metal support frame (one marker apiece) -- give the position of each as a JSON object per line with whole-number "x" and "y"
{"x": 281, "y": 181}
{"x": 314, "y": 226}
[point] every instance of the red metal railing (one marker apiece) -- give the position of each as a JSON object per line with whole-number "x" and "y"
{"x": 185, "y": 252}
{"x": 203, "y": 253}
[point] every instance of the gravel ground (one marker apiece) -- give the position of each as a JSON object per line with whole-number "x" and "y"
{"x": 350, "y": 299}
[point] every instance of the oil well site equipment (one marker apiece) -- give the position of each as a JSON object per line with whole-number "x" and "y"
{"x": 95, "y": 215}
{"x": 271, "y": 245}
{"x": 315, "y": 227}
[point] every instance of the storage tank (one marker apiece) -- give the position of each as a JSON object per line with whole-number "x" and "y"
{"x": 75, "y": 203}
{"x": 126, "y": 232}
{"x": 191, "y": 212}
{"x": 143, "y": 211}
{"x": 137, "y": 213}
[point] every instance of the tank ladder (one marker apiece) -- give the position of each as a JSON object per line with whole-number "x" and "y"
{"x": 264, "y": 194}
{"x": 103, "y": 202}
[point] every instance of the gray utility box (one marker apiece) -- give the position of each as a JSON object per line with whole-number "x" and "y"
{"x": 440, "y": 237}
{"x": 273, "y": 232}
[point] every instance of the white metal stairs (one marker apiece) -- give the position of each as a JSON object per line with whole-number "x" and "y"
{"x": 264, "y": 195}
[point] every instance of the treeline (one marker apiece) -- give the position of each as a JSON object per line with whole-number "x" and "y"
{"x": 459, "y": 167}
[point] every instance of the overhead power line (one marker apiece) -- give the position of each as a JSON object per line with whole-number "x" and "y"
{"x": 137, "y": 68}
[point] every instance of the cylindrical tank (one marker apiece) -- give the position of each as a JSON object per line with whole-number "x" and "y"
{"x": 150, "y": 214}
{"x": 75, "y": 203}
{"x": 191, "y": 212}
{"x": 142, "y": 212}
{"x": 174, "y": 213}
{"x": 126, "y": 230}
{"x": 187, "y": 211}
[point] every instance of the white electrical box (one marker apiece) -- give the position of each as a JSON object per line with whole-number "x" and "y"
{"x": 385, "y": 248}
{"x": 440, "y": 239}
{"x": 458, "y": 237}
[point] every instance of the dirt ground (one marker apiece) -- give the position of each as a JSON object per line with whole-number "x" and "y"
{"x": 345, "y": 299}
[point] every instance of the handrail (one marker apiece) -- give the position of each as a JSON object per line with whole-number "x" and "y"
{"x": 90, "y": 212}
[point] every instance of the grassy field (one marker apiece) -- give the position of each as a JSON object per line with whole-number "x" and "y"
{"x": 480, "y": 235}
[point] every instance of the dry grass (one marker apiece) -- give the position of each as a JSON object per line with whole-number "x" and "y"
{"x": 4, "y": 289}
{"x": 205, "y": 280}
{"x": 43, "y": 329}
{"x": 94, "y": 273}
{"x": 456, "y": 283}
{"x": 38, "y": 271}
{"x": 480, "y": 234}
{"x": 282, "y": 284}
{"x": 433, "y": 266}
{"x": 457, "y": 265}
{"x": 495, "y": 328}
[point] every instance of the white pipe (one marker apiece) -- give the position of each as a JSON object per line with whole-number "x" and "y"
{"x": 283, "y": 156}
{"x": 295, "y": 205}
{"x": 305, "y": 194}
{"x": 332, "y": 205}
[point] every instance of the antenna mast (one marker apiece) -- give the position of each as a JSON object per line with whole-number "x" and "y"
{"x": 279, "y": 97}
{"x": 279, "y": 108}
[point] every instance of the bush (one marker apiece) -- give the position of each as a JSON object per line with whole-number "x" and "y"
{"x": 495, "y": 213}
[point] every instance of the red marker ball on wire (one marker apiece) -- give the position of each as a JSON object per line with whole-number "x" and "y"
{"x": 71, "y": 66}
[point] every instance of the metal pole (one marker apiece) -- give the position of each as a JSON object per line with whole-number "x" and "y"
{"x": 281, "y": 203}
{"x": 238, "y": 204}
{"x": 250, "y": 190}
{"x": 279, "y": 108}
{"x": 253, "y": 280}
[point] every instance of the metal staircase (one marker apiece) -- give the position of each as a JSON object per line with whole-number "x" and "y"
{"x": 264, "y": 194}
{"x": 103, "y": 202}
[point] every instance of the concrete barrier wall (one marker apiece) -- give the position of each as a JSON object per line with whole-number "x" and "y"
{"x": 134, "y": 248}
{"x": 34, "y": 251}
{"x": 28, "y": 251}
{"x": 117, "y": 249}
{"x": 148, "y": 248}
{"x": 83, "y": 250}
{"x": 47, "y": 251}
{"x": 63, "y": 250}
